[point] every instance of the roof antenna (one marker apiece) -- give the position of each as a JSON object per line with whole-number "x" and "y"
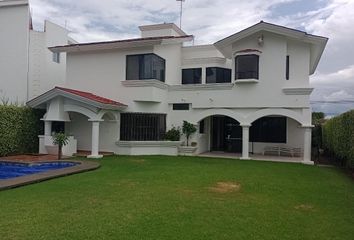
{"x": 180, "y": 13}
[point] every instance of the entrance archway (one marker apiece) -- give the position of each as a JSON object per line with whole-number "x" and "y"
{"x": 225, "y": 134}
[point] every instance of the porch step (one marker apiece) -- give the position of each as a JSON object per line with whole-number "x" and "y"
{"x": 85, "y": 153}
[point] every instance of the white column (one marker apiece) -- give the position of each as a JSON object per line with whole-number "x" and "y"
{"x": 47, "y": 128}
{"x": 245, "y": 141}
{"x": 95, "y": 140}
{"x": 307, "y": 145}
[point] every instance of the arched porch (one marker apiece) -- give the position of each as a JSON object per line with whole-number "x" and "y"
{"x": 254, "y": 132}
{"x": 82, "y": 113}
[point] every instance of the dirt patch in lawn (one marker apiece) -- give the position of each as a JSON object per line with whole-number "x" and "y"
{"x": 304, "y": 207}
{"x": 138, "y": 160}
{"x": 225, "y": 187}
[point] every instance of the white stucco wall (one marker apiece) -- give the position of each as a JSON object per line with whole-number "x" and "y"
{"x": 14, "y": 30}
{"x": 44, "y": 74}
{"x": 26, "y": 66}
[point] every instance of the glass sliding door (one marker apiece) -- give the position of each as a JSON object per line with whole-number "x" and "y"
{"x": 226, "y": 134}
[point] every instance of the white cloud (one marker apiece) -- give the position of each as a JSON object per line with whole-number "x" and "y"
{"x": 342, "y": 77}
{"x": 340, "y": 96}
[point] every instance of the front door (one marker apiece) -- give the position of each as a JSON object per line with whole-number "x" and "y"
{"x": 226, "y": 134}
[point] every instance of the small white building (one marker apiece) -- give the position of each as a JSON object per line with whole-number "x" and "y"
{"x": 246, "y": 93}
{"x": 26, "y": 64}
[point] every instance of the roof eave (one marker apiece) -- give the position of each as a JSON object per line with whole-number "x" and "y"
{"x": 224, "y": 45}
{"x": 13, "y": 3}
{"x": 42, "y": 99}
{"x": 124, "y": 44}
{"x": 322, "y": 43}
{"x": 104, "y": 46}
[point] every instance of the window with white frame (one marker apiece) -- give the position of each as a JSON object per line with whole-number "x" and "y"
{"x": 247, "y": 66}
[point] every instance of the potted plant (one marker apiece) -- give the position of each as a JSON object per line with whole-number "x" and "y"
{"x": 188, "y": 130}
{"x": 61, "y": 140}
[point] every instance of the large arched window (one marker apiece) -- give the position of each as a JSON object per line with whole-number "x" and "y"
{"x": 247, "y": 66}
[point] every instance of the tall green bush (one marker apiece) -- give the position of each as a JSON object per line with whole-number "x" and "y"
{"x": 317, "y": 120}
{"x": 19, "y": 129}
{"x": 338, "y": 138}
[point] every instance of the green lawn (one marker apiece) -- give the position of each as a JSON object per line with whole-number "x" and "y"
{"x": 158, "y": 197}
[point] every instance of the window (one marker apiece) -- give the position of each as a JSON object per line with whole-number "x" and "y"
{"x": 287, "y": 68}
{"x": 201, "y": 126}
{"x": 246, "y": 66}
{"x": 142, "y": 126}
{"x": 180, "y": 106}
{"x": 58, "y": 127}
{"x": 192, "y": 76}
{"x": 56, "y": 57}
{"x": 218, "y": 75}
{"x": 145, "y": 66}
{"x": 269, "y": 130}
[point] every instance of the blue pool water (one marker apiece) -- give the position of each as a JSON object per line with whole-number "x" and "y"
{"x": 12, "y": 170}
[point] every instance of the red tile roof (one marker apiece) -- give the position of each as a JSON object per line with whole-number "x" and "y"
{"x": 91, "y": 96}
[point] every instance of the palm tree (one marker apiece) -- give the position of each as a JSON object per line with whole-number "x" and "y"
{"x": 61, "y": 140}
{"x": 188, "y": 129}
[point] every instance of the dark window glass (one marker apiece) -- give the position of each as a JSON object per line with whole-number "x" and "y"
{"x": 192, "y": 76}
{"x": 246, "y": 67}
{"x": 287, "y": 68}
{"x": 56, "y": 57}
{"x": 218, "y": 75}
{"x": 201, "y": 126}
{"x": 58, "y": 127}
{"x": 269, "y": 130}
{"x": 181, "y": 106}
{"x": 142, "y": 126}
{"x": 145, "y": 66}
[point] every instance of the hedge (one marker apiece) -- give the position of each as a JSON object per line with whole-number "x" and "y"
{"x": 19, "y": 129}
{"x": 338, "y": 138}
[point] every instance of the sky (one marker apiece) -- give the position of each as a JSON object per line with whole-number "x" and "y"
{"x": 212, "y": 20}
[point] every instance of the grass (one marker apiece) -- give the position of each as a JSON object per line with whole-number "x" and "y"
{"x": 158, "y": 197}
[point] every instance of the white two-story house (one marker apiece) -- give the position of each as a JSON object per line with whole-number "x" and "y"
{"x": 244, "y": 93}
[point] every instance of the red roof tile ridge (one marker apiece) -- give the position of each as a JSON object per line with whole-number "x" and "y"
{"x": 90, "y": 96}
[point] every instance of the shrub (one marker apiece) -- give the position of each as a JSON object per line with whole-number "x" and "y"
{"x": 338, "y": 138}
{"x": 317, "y": 120}
{"x": 19, "y": 129}
{"x": 174, "y": 134}
{"x": 188, "y": 129}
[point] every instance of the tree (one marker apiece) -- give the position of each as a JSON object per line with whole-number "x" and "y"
{"x": 188, "y": 129}
{"x": 61, "y": 140}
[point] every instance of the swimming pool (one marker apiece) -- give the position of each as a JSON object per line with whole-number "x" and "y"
{"x": 10, "y": 170}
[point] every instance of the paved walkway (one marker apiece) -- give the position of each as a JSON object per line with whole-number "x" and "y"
{"x": 30, "y": 158}
{"x": 253, "y": 157}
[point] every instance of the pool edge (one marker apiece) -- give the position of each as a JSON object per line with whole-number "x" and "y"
{"x": 84, "y": 166}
